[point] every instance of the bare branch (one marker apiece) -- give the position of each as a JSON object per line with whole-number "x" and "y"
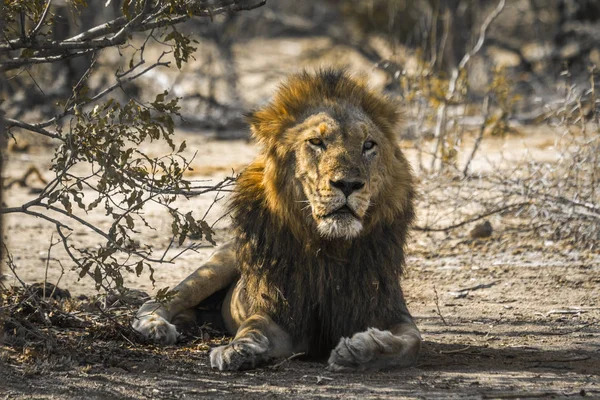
{"x": 52, "y": 51}
{"x": 482, "y": 32}
{"x": 440, "y": 127}
{"x": 486, "y": 114}
{"x": 14, "y": 63}
{"x": 473, "y": 219}
{"x": 37, "y": 128}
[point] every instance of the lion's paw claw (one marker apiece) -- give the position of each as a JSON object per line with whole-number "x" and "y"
{"x": 156, "y": 328}
{"x": 237, "y": 355}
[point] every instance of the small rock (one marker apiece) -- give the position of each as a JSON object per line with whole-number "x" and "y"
{"x": 49, "y": 290}
{"x": 482, "y": 230}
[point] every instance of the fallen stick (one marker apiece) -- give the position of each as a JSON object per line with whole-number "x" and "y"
{"x": 463, "y": 292}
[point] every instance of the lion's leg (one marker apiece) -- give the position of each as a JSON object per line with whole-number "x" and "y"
{"x": 153, "y": 319}
{"x": 257, "y": 340}
{"x": 376, "y": 349}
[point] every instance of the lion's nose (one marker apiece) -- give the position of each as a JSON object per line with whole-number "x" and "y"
{"x": 347, "y": 187}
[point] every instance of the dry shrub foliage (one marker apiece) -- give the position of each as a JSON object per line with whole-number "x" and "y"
{"x": 556, "y": 199}
{"x": 97, "y": 137}
{"x": 563, "y": 197}
{"x": 48, "y": 328}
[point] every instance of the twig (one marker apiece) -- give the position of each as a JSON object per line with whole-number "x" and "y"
{"x": 569, "y": 332}
{"x": 95, "y": 229}
{"x": 456, "y": 350}
{"x": 564, "y": 312}
{"x": 14, "y": 63}
{"x": 62, "y": 273}
{"x": 473, "y": 219}
{"x": 477, "y": 287}
{"x": 33, "y": 128}
{"x": 521, "y": 395}
{"x": 437, "y": 305}
{"x": 83, "y": 79}
{"x": 199, "y": 190}
{"x": 574, "y": 359}
{"x": 47, "y": 265}
{"x": 72, "y": 256}
{"x": 319, "y": 378}
{"x": 11, "y": 265}
{"x": 118, "y": 84}
{"x": 486, "y": 113}
{"x": 24, "y": 210}
{"x": 285, "y": 360}
{"x": 482, "y": 32}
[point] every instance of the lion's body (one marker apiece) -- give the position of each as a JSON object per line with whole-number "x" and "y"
{"x": 321, "y": 219}
{"x": 310, "y": 287}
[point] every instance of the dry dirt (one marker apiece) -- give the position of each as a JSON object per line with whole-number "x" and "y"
{"x": 504, "y": 317}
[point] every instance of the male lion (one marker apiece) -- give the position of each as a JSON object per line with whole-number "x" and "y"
{"x": 320, "y": 220}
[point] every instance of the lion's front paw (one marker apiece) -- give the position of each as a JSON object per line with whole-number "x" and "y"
{"x": 355, "y": 352}
{"x": 239, "y": 354}
{"x": 156, "y": 328}
{"x": 372, "y": 349}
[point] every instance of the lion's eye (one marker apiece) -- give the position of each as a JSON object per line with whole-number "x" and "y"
{"x": 316, "y": 142}
{"x": 368, "y": 145}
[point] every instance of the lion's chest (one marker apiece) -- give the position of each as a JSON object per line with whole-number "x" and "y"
{"x": 334, "y": 302}
{"x": 321, "y": 293}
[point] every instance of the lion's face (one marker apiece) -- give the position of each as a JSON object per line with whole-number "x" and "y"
{"x": 338, "y": 166}
{"x": 330, "y": 164}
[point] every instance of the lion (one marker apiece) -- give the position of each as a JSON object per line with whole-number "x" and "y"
{"x": 321, "y": 218}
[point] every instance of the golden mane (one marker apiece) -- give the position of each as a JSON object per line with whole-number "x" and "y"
{"x": 306, "y": 91}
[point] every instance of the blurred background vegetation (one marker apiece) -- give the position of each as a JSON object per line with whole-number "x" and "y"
{"x": 241, "y": 56}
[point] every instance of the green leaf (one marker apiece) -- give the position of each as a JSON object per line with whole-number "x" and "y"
{"x": 125, "y": 8}
{"x": 85, "y": 269}
{"x": 160, "y": 98}
{"x": 182, "y": 238}
{"x": 98, "y": 275}
{"x": 129, "y": 221}
{"x": 139, "y": 268}
{"x": 27, "y": 53}
{"x": 64, "y": 199}
{"x": 162, "y": 292}
{"x": 53, "y": 197}
{"x": 208, "y": 232}
{"x": 94, "y": 203}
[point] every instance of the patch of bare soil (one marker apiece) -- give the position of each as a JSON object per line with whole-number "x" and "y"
{"x": 509, "y": 316}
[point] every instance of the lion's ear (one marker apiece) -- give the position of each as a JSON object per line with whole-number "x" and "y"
{"x": 266, "y": 124}
{"x": 256, "y": 125}
{"x": 252, "y": 121}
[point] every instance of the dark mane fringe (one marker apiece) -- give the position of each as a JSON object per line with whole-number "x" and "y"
{"x": 320, "y": 291}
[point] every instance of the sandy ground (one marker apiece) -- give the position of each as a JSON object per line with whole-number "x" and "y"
{"x": 504, "y": 317}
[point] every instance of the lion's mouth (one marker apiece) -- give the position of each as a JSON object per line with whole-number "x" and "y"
{"x": 342, "y": 211}
{"x": 341, "y": 223}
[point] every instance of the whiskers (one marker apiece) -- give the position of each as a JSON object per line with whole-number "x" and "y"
{"x": 307, "y": 206}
